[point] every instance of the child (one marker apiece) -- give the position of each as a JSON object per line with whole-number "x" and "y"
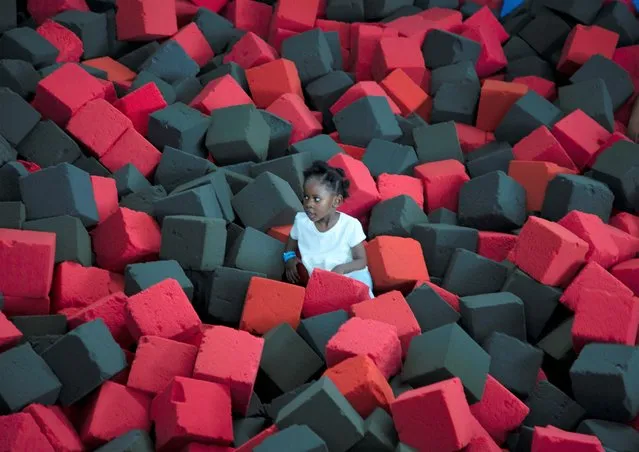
{"x": 327, "y": 239}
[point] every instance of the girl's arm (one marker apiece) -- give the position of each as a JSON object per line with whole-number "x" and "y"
{"x": 359, "y": 262}
{"x": 291, "y": 265}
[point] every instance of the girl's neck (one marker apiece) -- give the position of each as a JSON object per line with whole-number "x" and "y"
{"x": 327, "y": 222}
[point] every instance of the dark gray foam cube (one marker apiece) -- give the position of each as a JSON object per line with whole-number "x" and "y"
{"x": 530, "y": 65}
{"x": 520, "y": 440}
{"x": 550, "y": 406}
{"x": 215, "y": 28}
{"x": 12, "y": 214}
{"x": 177, "y": 167}
{"x": 443, "y": 48}
{"x": 443, "y": 353}
{"x": 138, "y": 277}
{"x": 92, "y": 166}
{"x": 319, "y": 147}
{"x": 272, "y": 409}
{"x": 200, "y": 201}
{"x": 258, "y": 252}
{"x": 439, "y": 242}
{"x": 568, "y": 192}
{"x": 319, "y": 329}
{"x": 455, "y": 102}
{"x": 96, "y": 358}
{"x": 24, "y": 43}
{"x": 326, "y": 90}
{"x": 367, "y": 118}
{"x": 334, "y": 43}
{"x": 530, "y": 112}
{"x": 47, "y": 145}
{"x": 72, "y": 239}
{"x": 19, "y": 76}
{"x": 187, "y": 89}
{"x": 7, "y": 153}
{"x": 129, "y": 179}
{"x": 379, "y": 433}
{"x": 234, "y": 232}
{"x": 399, "y": 386}
{"x": 540, "y": 301}
{"x": 495, "y": 156}
{"x": 289, "y": 168}
{"x": 493, "y": 202}
{"x": 616, "y": 436}
{"x": 617, "y": 167}
{"x": 17, "y": 117}
{"x": 311, "y": 54}
{"x": 346, "y": 10}
{"x": 218, "y": 183}
{"x": 515, "y": 364}
{"x": 471, "y": 274}
{"x": 616, "y": 78}
{"x": 90, "y": 27}
{"x": 442, "y": 215}
{"x": 281, "y": 130}
{"x": 395, "y": 216}
{"x": 40, "y": 325}
{"x": 166, "y": 89}
{"x": 327, "y": 412}
{"x": 233, "y": 69}
{"x": 437, "y": 142}
{"x": 558, "y": 342}
{"x": 227, "y": 292}
{"x": 238, "y": 134}
{"x": 197, "y": 243}
{"x": 267, "y": 202}
{"x": 8, "y": 15}
{"x": 10, "y": 175}
{"x": 516, "y": 48}
{"x": 287, "y": 360}
{"x": 426, "y": 4}
{"x": 484, "y": 314}
{"x": 180, "y": 127}
{"x": 247, "y": 428}
{"x": 582, "y": 12}
{"x": 430, "y": 309}
{"x": 617, "y": 17}
{"x": 171, "y": 63}
{"x": 603, "y": 381}
{"x": 68, "y": 192}
{"x": 42, "y": 343}
{"x": 131, "y": 441}
{"x": 25, "y": 378}
{"x": 591, "y": 97}
{"x": 546, "y": 33}
{"x": 460, "y": 73}
{"x": 296, "y": 438}
{"x": 388, "y": 157}
{"x": 407, "y": 125}
{"x": 380, "y": 9}
{"x": 144, "y": 200}
{"x": 237, "y": 182}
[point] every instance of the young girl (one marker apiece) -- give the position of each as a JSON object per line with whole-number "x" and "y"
{"x": 326, "y": 238}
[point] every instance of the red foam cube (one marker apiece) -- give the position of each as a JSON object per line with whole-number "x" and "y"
{"x": 484, "y": 18}
{"x": 407, "y": 94}
{"x": 98, "y": 125}
{"x": 157, "y": 361}
{"x": 214, "y": 5}
{"x": 495, "y": 245}
{"x": 62, "y": 93}
{"x": 145, "y": 20}
{"x": 363, "y": 89}
{"x": 292, "y": 108}
{"x": 57, "y": 428}
{"x": 9, "y": 334}
{"x": 365, "y": 40}
{"x": 327, "y": 292}
{"x": 113, "y": 411}
{"x": 545, "y": 88}
{"x": 398, "y": 53}
{"x": 448, "y": 427}
{"x": 269, "y": 81}
{"x": 162, "y": 310}
{"x": 251, "y": 51}
{"x": 112, "y": 310}
{"x": 20, "y": 433}
{"x": 442, "y": 182}
{"x": 138, "y": 105}
{"x": 492, "y": 58}
{"x": 542, "y": 146}
{"x": 471, "y": 138}
{"x": 393, "y": 309}
{"x": 581, "y": 136}
{"x": 627, "y": 244}
{"x": 294, "y": 15}
{"x": 356, "y": 152}
{"x": 126, "y": 237}
{"x": 69, "y": 46}
{"x": 192, "y": 410}
{"x": 41, "y": 10}
{"x": 362, "y": 384}
{"x": 277, "y": 36}
{"x": 194, "y": 44}
{"x": 592, "y": 278}
{"x": 499, "y": 411}
{"x": 219, "y": 93}
{"x": 591, "y": 229}
{"x": 584, "y": 42}
{"x": 392, "y": 185}
{"x": 495, "y": 100}
{"x": 132, "y": 148}
{"x": 364, "y": 337}
{"x": 269, "y": 303}
{"x": 363, "y": 194}
{"x": 26, "y": 262}
{"x": 106, "y": 196}
{"x": 626, "y": 222}
{"x": 229, "y": 356}
{"x": 396, "y": 263}
{"x": 534, "y": 177}
{"x": 343, "y": 29}
{"x": 250, "y": 15}
{"x": 628, "y": 273}
{"x": 548, "y": 252}
{"x": 552, "y": 439}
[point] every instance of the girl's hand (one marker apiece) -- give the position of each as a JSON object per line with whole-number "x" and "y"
{"x": 291, "y": 270}
{"x": 340, "y": 269}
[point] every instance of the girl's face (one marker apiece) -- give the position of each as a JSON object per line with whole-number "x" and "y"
{"x": 319, "y": 201}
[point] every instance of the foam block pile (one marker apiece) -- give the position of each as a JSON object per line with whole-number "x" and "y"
{"x": 151, "y": 165}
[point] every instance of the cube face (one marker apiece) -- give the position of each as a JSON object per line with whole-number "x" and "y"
{"x": 178, "y": 126}
{"x": 195, "y": 243}
{"x": 365, "y": 119}
{"x": 311, "y": 54}
{"x": 484, "y": 314}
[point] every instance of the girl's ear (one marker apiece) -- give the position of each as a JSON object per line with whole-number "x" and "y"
{"x": 338, "y": 200}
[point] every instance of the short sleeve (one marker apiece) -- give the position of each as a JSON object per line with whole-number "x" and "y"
{"x": 356, "y": 235}
{"x": 295, "y": 232}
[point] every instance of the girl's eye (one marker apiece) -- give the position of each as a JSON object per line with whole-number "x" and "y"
{"x": 317, "y": 200}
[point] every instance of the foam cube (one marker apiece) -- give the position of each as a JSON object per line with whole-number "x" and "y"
{"x": 360, "y": 90}
{"x": 386, "y": 157}
{"x": 616, "y": 78}
{"x": 439, "y": 242}
{"x": 302, "y": 436}
{"x": 535, "y": 177}
{"x": 27, "y": 44}
{"x": 282, "y": 301}
{"x": 437, "y": 142}
{"x": 390, "y": 259}
{"x": 493, "y": 274}
{"x": 21, "y": 121}
{"x": 250, "y": 51}
{"x": 430, "y": 308}
{"x": 495, "y": 101}
{"x": 55, "y": 426}
{"x": 483, "y": 314}
{"x": 392, "y": 185}
{"x": 363, "y": 194}
{"x": 405, "y": 214}
{"x": 528, "y": 113}
{"x": 443, "y": 48}
{"x": 375, "y": 112}
{"x": 614, "y": 167}
{"x": 327, "y": 292}
{"x": 626, "y": 272}
{"x": 591, "y": 97}
{"x": 590, "y": 228}
{"x": 553, "y": 439}
{"x": 292, "y": 108}
{"x": 549, "y": 405}
{"x": 407, "y": 94}
{"x": 106, "y": 196}
{"x": 319, "y": 329}
{"x": 258, "y": 252}
{"x": 171, "y": 63}
{"x": 311, "y": 54}
{"x": 76, "y": 286}
{"x": 455, "y": 103}
{"x": 9, "y": 334}
{"x": 146, "y": 21}
{"x": 270, "y": 80}
{"x": 139, "y": 104}
{"x": 90, "y": 27}
{"x": 442, "y": 182}
{"x": 237, "y": 370}
{"x": 223, "y": 92}
{"x": 112, "y": 310}
{"x": 21, "y": 432}
{"x": 227, "y": 293}
{"x": 182, "y": 235}
{"x": 580, "y": 146}
{"x": 157, "y": 361}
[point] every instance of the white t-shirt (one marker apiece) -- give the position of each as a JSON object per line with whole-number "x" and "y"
{"x": 328, "y": 249}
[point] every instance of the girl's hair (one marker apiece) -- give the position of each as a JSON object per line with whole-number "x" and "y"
{"x": 334, "y": 178}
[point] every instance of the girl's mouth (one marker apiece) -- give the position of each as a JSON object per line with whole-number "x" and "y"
{"x": 311, "y": 215}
